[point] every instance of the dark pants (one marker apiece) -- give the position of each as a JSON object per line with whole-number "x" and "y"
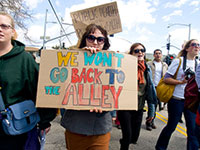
{"x": 197, "y": 131}
{"x": 130, "y": 124}
{"x": 175, "y": 110}
{"x": 13, "y": 142}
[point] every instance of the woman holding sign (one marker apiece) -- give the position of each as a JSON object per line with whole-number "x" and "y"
{"x": 89, "y": 129}
{"x": 131, "y": 120}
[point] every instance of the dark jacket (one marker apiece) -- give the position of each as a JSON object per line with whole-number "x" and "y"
{"x": 18, "y": 80}
{"x": 150, "y": 93}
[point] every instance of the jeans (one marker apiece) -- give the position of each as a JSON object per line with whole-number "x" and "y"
{"x": 175, "y": 109}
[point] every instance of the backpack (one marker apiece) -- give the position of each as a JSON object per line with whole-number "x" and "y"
{"x": 191, "y": 95}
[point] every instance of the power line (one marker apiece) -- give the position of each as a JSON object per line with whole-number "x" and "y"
{"x": 59, "y": 21}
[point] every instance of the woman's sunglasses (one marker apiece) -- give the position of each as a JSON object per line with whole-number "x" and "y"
{"x": 92, "y": 38}
{"x": 138, "y": 50}
{"x": 195, "y": 45}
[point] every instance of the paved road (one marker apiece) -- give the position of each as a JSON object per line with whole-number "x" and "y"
{"x": 55, "y": 138}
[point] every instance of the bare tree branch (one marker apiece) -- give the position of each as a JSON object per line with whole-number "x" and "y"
{"x": 20, "y": 12}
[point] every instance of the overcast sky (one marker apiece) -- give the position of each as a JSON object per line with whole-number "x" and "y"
{"x": 144, "y": 21}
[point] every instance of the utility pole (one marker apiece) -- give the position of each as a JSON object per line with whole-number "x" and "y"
{"x": 44, "y": 37}
{"x": 168, "y": 44}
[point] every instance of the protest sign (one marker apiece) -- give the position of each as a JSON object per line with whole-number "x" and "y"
{"x": 106, "y": 15}
{"x": 77, "y": 79}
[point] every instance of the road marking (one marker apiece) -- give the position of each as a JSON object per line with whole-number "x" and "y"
{"x": 178, "y": 128}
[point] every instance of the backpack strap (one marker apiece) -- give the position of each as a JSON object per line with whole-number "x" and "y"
{"x": 185, "y": 61}
{"x": 2, "y": 106}
{"x": 175, "y": 75}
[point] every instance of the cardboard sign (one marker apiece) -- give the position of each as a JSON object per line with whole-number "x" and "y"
{"x": 77, "y": 79}
{"x": 106, "y": 15}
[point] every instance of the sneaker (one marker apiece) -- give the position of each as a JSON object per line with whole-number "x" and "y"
{"x": 153, "y": 126}
{"x": 148, "y": 128}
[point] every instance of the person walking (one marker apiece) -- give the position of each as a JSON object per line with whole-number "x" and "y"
{"x": 18, "y": 82}
{"x": 89, "y": 130}
{"x": 159, "y": 69}
{"x": 131, "y": 120}
{"x": 176, "y": 103}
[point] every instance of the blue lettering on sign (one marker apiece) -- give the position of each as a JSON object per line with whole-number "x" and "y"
{"x": 52, "y": 90}
{"x": 119, "y": 56}
{"x": 56, "y": 74}
{"x": 112, "y": 75}
{"x": 98, "y": 58}
{"x": 120, "y": 76}
{"x": 107, "y": 59}
{"x": 55, "y": 78}
{"x": 88, "y": 59}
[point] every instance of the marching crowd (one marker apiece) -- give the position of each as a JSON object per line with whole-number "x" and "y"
{"x": 90, "y": 130}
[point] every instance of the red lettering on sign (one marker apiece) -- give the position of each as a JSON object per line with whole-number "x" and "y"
{"x": 115, "y": 95}
{"x": 70, "y": 91}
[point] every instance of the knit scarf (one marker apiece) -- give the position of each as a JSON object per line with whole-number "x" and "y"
{"x": 141, "y": 69}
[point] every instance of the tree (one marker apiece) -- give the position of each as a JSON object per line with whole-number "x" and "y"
{"x": 20, "y": 12}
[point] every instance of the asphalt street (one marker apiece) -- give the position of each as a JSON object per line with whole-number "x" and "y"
{"x": 147, "y": 140}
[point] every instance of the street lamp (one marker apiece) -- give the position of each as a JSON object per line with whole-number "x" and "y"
{"x": 181, "y": 24}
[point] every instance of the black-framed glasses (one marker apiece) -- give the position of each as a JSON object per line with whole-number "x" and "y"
{"x": 195, "y": 45}
{"x": 92, "y": 38}
{"x": 138, "y": 50}
{"x": 5, "y": 26}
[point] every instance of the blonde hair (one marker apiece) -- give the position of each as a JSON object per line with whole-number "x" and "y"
{"x": 183, "y": 52}
{"x": 14, "y": 37}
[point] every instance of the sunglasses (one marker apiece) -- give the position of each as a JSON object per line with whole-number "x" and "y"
{"x": 91, "y": 39}
{"x": 195, "y": 45}
{"x": 5, "y": 26}
{"x": 138, "y": 50}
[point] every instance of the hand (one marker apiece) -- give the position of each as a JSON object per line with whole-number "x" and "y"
{"x": 113, "y": 118}
{"x": 46, "y": 130}
{"x": 149, "y": 119}
{"x": 92, "y": 49}
{"x": 183, "y": 81}
{"x": 97, "y": 110}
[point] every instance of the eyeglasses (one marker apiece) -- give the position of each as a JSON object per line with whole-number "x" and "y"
{"x": 91, "y": 39}
{"x": 138, "y": 50}
{"x": 5, "y": 26}
{"x": 195, "y": 45}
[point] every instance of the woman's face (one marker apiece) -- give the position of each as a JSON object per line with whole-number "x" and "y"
{"x": 95, "y": 40}
{"x": 193, "y": 48}
{"x": 6, "y": 30}
{"x": 139, "y": 52}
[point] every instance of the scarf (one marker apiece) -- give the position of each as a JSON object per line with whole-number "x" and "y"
{"x": 141, "y": 69}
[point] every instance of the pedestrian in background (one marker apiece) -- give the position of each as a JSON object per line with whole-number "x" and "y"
{"x": 131, "y": 120}
{"x": 89, "y": 130}
{"x": 176, "y": 103}
{"x": 18, "y": 82}
{"x": 158, "y": 68}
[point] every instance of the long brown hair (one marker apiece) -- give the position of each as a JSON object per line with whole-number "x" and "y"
{"x": 183, "y": 52}
{"x": 90, "y": 29}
